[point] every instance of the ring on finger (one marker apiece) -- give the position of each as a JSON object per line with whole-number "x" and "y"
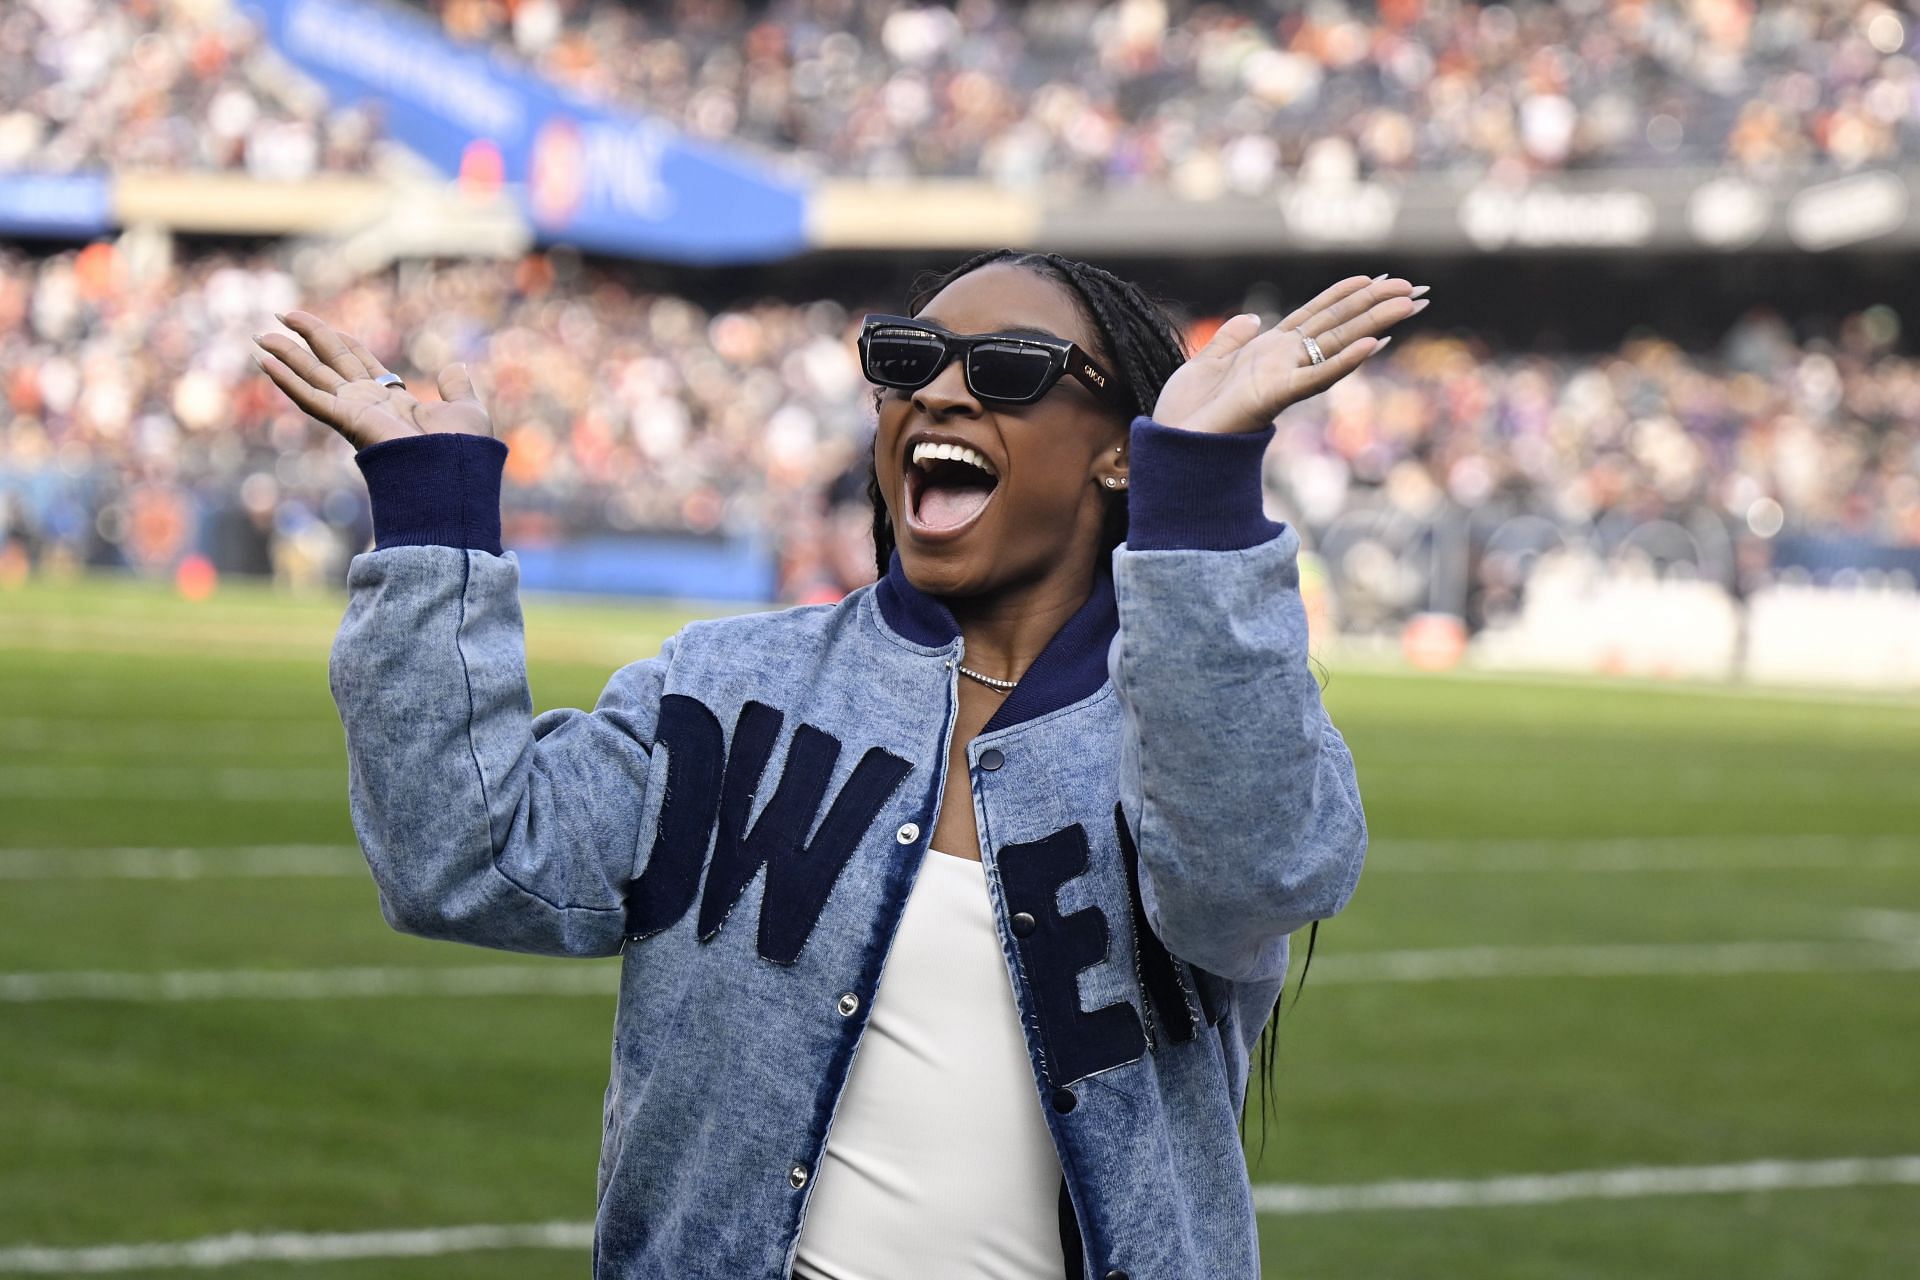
{"x": 1313, "y": 349}
{"x": 391, "y": 380}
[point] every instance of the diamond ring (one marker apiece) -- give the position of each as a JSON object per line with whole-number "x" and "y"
{"x": 1313, "y": 350}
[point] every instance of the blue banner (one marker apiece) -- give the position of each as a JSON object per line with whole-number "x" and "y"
{"x": 65, "y": 205}
{"x": 605, "y": 179}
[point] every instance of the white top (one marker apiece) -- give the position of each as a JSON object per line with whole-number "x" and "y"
{"x": 938, "y": 1164}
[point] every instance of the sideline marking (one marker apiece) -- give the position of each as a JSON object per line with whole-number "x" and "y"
{"x": 1278, "y": 1199}
{"x": 1594, "y": 1184}
{"x": 562, "y": 978}
{"x": 205, "y": 862}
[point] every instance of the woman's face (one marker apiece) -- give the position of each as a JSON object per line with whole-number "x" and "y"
{"x": 1036, "y": 510}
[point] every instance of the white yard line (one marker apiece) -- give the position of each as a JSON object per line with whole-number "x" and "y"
{"x": 1900, "y": 928}
{"x": 558, "y": 979}
{"x": 575, "y": 979}
{"x": 1647, "y": 853}
{"x": 1595, "y": 1184}
{"x": 291, "y": 1246}
{"x": 1625, "y": 960}
{"x": 171, "y": 737}
{"x": 1359, "y": 662}
{"x": 162, "y": 782}
{"x": 202, "y": 863}
{"x": 1387, "y": 856}
{"x": 1268, "y": 1198}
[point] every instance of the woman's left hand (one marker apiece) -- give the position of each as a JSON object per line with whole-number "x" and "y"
{"x": 1243, "y": 378}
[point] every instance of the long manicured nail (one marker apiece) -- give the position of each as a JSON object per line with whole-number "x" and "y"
{"x": 1383, "y": 343}
{"x": 1420, "y": 290}
{"x": 1420, "y": 306}
{"x": 1382, "y": 276}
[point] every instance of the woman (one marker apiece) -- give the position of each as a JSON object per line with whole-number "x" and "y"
{"x": 1079, "y": 792}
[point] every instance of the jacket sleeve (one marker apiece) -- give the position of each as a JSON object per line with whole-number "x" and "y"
{"x": 481, "y": 823}
{"x": 1239, "y": 791}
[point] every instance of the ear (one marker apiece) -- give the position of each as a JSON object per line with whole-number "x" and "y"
{"x": 1110, "y": 467}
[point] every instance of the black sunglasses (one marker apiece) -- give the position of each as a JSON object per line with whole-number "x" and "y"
{"x": 907, "y": 354}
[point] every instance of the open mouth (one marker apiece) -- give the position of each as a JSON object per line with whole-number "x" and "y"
{"x": 948, "y": 486}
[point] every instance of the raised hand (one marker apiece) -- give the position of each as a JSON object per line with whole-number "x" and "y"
{"x": 1243, "y": 378}
{"x": 335, "y": 382}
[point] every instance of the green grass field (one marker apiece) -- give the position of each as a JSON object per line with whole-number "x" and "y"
{"x": 1602, "y": 927}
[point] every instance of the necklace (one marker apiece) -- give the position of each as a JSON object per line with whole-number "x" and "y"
{"x": 989, "y": 681}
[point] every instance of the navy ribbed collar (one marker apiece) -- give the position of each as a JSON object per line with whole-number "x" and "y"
{"x": 1071, "y": 667}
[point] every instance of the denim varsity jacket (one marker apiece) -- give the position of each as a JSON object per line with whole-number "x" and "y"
{"x": 1160, "y": 802}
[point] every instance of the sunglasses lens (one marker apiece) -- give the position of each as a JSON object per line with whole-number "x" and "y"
{"x": 1009, "y": 371}
{"x": 903, "y": 357}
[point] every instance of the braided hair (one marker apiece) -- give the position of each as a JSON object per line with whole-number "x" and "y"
{"x": 1139, "y": 338}
{"x": 1135, "y": 334}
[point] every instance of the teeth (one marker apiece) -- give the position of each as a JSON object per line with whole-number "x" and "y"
{"x": 927, "y": 452}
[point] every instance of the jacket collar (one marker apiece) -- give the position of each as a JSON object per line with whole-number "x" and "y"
{"x": 1071, "y": 667}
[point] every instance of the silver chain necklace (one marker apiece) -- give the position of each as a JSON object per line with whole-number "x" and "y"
{"x": 989, "y": 681}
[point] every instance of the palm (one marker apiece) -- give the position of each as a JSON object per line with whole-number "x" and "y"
{"x": 1243, "y": 378}
{"x": 336, "y": 382}
{"x": 378, "y": 413}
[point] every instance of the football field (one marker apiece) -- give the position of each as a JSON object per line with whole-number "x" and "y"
{"x": 1630, "y": 988}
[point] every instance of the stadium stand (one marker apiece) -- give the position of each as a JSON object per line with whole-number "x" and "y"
{"x": 1214, "y": 99}
{"x": 723, "y": 412}
{"x": 1203, "y": 100}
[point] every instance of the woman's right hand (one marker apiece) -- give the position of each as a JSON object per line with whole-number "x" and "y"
{"x": 335, "y": 383}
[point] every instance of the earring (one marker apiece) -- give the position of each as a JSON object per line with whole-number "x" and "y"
{"x": 1112, "y": 483}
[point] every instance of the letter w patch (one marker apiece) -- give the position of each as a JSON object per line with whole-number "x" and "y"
{"x": 800, "y": 877}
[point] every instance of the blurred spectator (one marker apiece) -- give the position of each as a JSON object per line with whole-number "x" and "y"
{"x": 134, "y": 426}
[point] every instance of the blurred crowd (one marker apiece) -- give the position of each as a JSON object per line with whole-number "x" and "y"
{"x": 135, "y": 430}
{"x": 162, "y": 85}
{"x": 1207, "y": 99}
{"x": 1204, "y": 99}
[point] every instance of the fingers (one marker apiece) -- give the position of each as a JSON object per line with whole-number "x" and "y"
{"x": 456, "y": 383}
{"x": 359, "y": 351}
{"x": 1355, "y": 304}
{"x": 301, "y": 361}
{"x": 1372, "y": 322}
{"x": 1233, "y": 333}
{"x": 327, "y": 343}
{"x": 315, "y": 401}
{"x": 1316, "y": 378}
{"x": 1331, "y": 296}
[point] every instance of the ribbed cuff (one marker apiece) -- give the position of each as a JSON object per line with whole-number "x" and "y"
{"x": 1196, "y": 490}
{"x": 436, "y": 490}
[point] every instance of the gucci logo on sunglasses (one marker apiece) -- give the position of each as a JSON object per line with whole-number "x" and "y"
{"x": 1008, "y": 368}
